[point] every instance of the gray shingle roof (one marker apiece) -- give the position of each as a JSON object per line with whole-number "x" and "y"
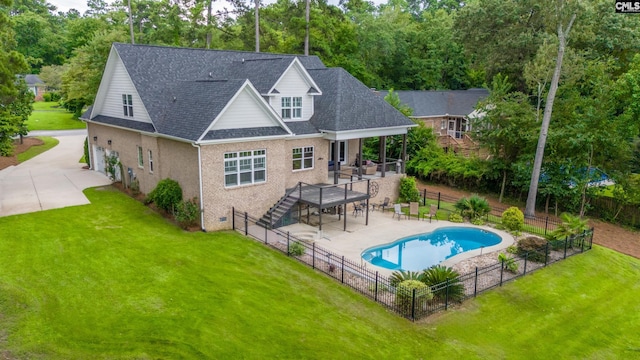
{"x": 129, "y": 124}
{"x": 435, "y": 103}
{"x": 301, "y": 127}
{"x": 33, "y": 80}
{"x": 245, "y": 133}
{"x": 347, "y": 104}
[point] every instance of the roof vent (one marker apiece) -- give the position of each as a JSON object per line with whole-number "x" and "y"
{"x": 243, "y": 60}
{"x": 174, "y": 99}
{"x": 210, "y": 74}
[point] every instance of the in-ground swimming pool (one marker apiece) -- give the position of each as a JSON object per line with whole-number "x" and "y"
{"x": 419, "y": 252}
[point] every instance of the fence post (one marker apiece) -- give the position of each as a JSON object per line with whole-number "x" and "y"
{"x": 375, "y": 296}
{"x": 475, "y": 284}
{"x": 246, "y": 224}
{"x": 265, "y": 234}
{"x": 546, "y": 224}
{"x": 446, "y": 296}
{"x": 288, "y": 239}
{"x": 526, "y": 256}
{"x": 342, "y": 277}
{"x": 233, "y": 217}
{"x": 582, "y": 243}
{"x": 546, "y": 253}
{"x": 424, "y": 197}
{"x": 566, "y": 240}
{"x": 313, "y": 255}
{"x": 413, "y": 305}
{"x": 502, "y": 271}
{"x": 438, "y": 200}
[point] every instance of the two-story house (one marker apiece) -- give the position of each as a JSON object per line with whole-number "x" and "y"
{"x": 236, "y": 129}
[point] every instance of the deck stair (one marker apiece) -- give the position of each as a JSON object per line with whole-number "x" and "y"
{"x": 271, "y": 219}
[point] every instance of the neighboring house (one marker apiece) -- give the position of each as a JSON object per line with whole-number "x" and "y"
{"x": 240, "y": 129}
{"x": 36, "y": 86}
{"x": 447, "y": 112}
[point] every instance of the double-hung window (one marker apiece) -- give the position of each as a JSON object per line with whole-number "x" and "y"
{"x": 303, "y": 158}
{"x": 291, "y": 107}
{"x": 245, "y": 167}
{"x": 150, "y": 154}
{"x": 127, "y": 105}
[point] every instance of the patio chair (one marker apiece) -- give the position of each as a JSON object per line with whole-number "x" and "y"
{"x": 357, "y": 208}
{"x": 384, "y": 204}
{"x": 397, "y": 211}
{"x": 433, "y": 212}
{"x": 414, "y": 209}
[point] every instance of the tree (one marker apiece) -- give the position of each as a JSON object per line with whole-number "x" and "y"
{"x": 563, "y": 33}
{"x": 21, "y": 108}
{"x": 11, "y": 64}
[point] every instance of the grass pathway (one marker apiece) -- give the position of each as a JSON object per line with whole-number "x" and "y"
{"x": 49, "y": 116}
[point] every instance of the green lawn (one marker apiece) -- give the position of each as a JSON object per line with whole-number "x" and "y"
{"x": 49, "y": 142}
{"x": 113, "y": 280}
{"x": 48, "y": 116}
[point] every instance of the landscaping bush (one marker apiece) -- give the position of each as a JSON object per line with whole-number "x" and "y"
{"x": 167, "y": 195}
{"x": 571, "y": 225}
{"x": 86, "y": 150}
{"x": 508, "y": 263}
{"x": 473, "y": 207}
{"x": 513, "y": 219}
{"x": 404, "y": 296}
{"x": 456, "y": 218}
{"x": 408, "y": 190}
{"x": 477, "y": 221}
{"x": 436, "y": 276}
{"x": 534, "y": 246}
{"x": 135, "y": 187}
{"x": 399, "y": 276}
{"x": 296, "y": 249}
{"x": 187, "y": 213}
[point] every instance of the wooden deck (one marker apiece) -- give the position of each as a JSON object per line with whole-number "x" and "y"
{"x": 326, "y": 196}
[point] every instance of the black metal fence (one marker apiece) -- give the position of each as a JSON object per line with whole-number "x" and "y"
{"x": 534, "y": 225}
{"x": 411, "y": 304}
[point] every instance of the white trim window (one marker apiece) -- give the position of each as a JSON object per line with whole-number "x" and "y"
{"x": 150, "y": 155}
{"x": 291, "y": 107}
{"x": 303, "y": 158}
{"x": 245, "y": 167}
{"x": 140, "y": 158}
{"x": 127, "y": 104}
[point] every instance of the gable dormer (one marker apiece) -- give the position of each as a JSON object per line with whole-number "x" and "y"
{"x": 292, "y": 95}
{"x": 117, "y": 97}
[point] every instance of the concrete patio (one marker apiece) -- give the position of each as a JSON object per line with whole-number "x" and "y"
{"x": 383, "y": 228}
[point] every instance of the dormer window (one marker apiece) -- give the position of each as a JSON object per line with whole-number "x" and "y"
{"x": 127, "y": 105}
{"x": 291, "y": 107}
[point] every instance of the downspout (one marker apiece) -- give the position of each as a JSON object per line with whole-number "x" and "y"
{"x": 200, "y": 186}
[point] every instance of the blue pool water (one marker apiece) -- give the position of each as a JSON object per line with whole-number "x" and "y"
{"x": 419, "y": 252}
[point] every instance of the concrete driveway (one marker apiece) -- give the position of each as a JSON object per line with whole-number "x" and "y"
{"x": 52, "y": 180}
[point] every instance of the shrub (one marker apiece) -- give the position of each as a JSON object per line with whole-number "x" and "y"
{"x": 534, "y": 247}
{"x": 167, "y": 194}
{"x": 477, "y": 221}
{"x": 135, "y": 187}
{"x": 408, "y": 190}
{"x": 296, "y": 249}
{"x": 404, "y": 296}
{"x": 86, "y": 150}
{"x": 436, "y": 277}
{"x": 399, "y": 276}
{"x": 473, "y": 207}
{"x": 187, "y": 213}
{"x": 46, "y": 97}
{"x": 512, "y": 249}
{"x": 508, "y": 263}
{"x": 513, "y": 219}
{"x": 456, "y": 218}
{"x": 571, "y": 225}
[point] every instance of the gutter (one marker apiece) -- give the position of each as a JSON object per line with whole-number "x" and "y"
{"x": 200, "y": 186}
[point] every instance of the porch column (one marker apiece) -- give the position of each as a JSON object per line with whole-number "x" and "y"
{"x": 336, "y": 160}
{"x": 383, "y": 148}
{"x": 359, "y": 159}
{"x": 404, "y": 154}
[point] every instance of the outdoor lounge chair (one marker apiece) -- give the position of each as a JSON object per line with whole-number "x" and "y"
{"x": 433, "y": 212}
{"x": 384, "y": 204}
{"x": 397, "y": 211}
{"x": 357, "y": 208}
{"x": 414, "y": 209}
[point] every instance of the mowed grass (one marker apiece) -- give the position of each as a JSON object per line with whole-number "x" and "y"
{"x": 33, "y": 151}
{"x": 48, "y": 116}
{"x": 113, "y": 280}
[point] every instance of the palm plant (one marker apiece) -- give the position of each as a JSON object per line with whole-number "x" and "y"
{"x": 437, "y": 275}
{"x": 571, "y": 225}
{"x": 399, "y": 276}
{"x": 473, "y": 207}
